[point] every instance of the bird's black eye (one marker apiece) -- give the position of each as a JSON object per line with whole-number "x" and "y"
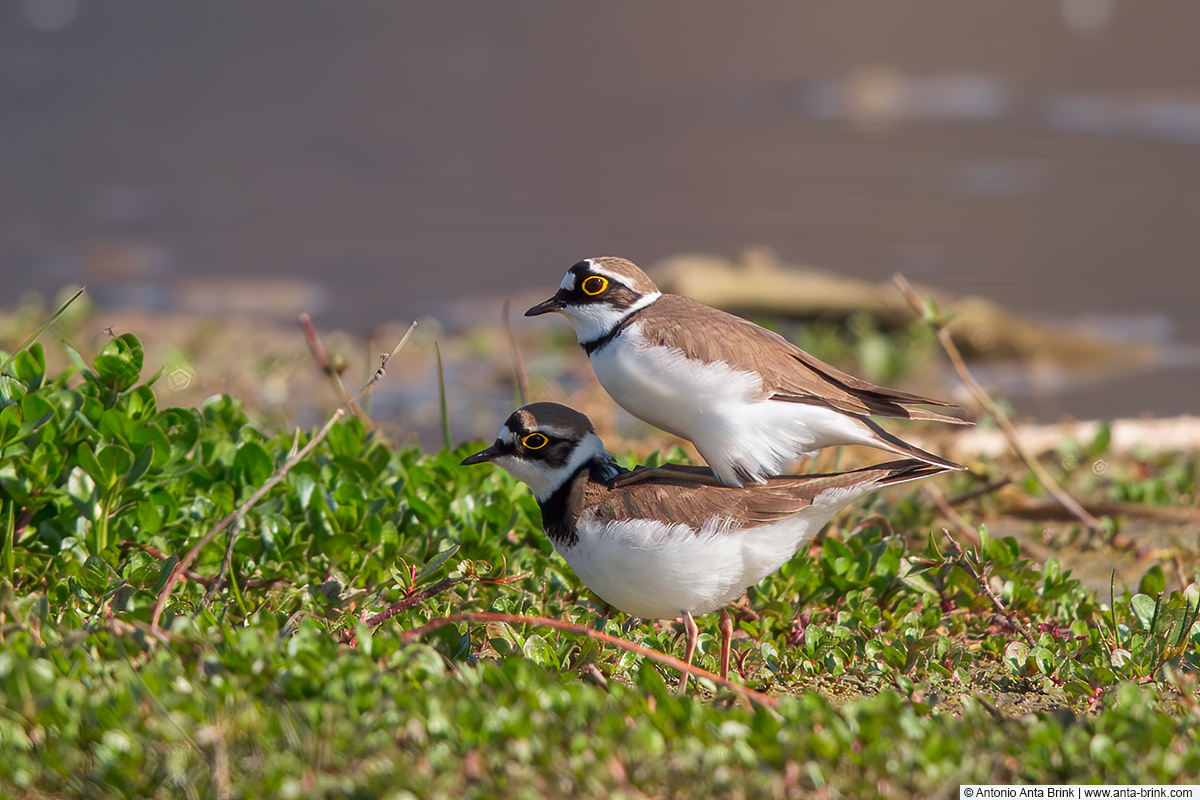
{"x": 593, "y": 285}
{"x": 535, "y": 441}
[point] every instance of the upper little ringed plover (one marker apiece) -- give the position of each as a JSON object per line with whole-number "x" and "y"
{"x": 750, "y": 400}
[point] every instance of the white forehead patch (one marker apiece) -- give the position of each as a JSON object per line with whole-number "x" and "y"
{"x": 506, "y": 435}
{"x": 612, "y": 276}
{"x": 568, "y": 282}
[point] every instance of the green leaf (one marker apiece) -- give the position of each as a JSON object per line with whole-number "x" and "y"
{"x": 1051, "y": 572}
{"x": 140, "y": 403}
{"x": 149, "y": 517}
{"x": 87, "y": 460}
{"x": 253, "y": 464}
{"x": 1143, "y": 608}
{"x": 116, "y": 424}
{"x": 37, "y": 411}
{"x": 15, "y": 481}
{"x": 1102, "y": 440}
{"x": 150, "y": 437}
{"x": 181, "y": 426}
{"x": 1153, "y": 582}
{"x": 115, "y": 460}
{"x": 141, "y": 463}
{"x": 1016, "y": 656}
{"x": 10, "y": 423}
{"x": 1044, "y": 659}
{"x": 29, "y": 366}
{"x": 539, "y": 651}
{"x": 119, "y": 363}
{"x": 96, "y": 574}
{"x": 82, "y": 491}
{"x": 436, "y": 562}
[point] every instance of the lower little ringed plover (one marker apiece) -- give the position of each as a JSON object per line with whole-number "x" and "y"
{"x": 668, "y": 542}
{"x": 751, "y": 401}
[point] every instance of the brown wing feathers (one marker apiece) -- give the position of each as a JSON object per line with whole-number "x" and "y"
{"x": 789, "y": 373}
{"x": 678, "y": 501}
{"x": 878, "y": 401}
{"x": 691, "y": 495}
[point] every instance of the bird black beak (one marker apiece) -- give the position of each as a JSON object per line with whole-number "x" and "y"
{"x": 545, "y": 307}
{"x": 487, "y": 454}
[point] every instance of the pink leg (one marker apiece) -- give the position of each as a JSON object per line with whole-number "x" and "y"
{"x": 690, "y": 632}
{"x": 726, "y": 641}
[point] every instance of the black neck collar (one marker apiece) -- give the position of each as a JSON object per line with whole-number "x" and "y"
{"x": 626, "y": 321}
{"x": 562, "y": 509}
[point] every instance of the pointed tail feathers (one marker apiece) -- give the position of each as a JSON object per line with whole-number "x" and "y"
{"x": 901, "y": 447}
{"x": 933, "y": 416}
{"x": 906, "y": 470}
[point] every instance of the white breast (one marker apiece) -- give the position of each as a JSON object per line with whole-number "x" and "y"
{"x": 663, "y": 387}
{"x": 656, "y": 570}
{"x": 724, "y": 411}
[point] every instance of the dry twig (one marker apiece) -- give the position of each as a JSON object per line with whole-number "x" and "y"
{"x": 980, "y": 490}
{"x": 317, "y": 348}
{"x": 411, "y": 600}
{"x": 384, "y": 358}
{"x": 964, "y": 563}
{"x": 591, "y": 633}
{"x": 236, "y": 516}
{"x": 995, "y": 412}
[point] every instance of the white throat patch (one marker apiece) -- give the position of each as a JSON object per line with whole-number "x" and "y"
{"x": 595, "y": 320}
{"x": 544, "y": 479}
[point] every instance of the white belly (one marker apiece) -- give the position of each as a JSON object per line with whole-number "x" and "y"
{"x": 722, "y": 410}
{"x": 657, "y": 571}
{"x": 660, "y": 386}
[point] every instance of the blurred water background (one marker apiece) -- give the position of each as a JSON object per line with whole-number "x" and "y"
{"x": 375, "y": 161}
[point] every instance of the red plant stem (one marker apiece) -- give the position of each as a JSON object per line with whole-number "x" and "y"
{"x": 600, "y": 636}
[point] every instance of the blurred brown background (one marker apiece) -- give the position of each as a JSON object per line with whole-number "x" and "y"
{"x": 383, "y": 159}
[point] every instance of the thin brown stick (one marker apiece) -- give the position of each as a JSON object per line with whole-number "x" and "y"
{"x": 518, "y": 362}
{"x": 317, "y": 348}
{"x": 411, "y": 600}
{"x": 196, "y": 577}
{"x": 980, "y": 490}
{"x": 237, "y": 515}
{"x": 995, "y": 412}
{"x": 1163, "y": 514}
{"x": 599, "y": 636}
{"x": 964, "y": 563}
{"x": 226, "y": 563}
{"x": 242, "y": 510}
{"x": 384, "y": 358}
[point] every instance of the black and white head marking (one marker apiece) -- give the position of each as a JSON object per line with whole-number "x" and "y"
{"x": 545, "y": 445}
{"x": 598, "y": 295}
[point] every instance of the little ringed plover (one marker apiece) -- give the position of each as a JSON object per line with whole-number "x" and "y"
{"x": 668, "y": 542}
{"x": 751, "y": 401}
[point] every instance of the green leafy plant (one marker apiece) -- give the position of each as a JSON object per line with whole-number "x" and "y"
{"x": 363, "y": 628}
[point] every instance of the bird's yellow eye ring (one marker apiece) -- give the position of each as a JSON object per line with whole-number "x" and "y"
{"x": 535, "y": 441}
{"x": 593, "y": 285}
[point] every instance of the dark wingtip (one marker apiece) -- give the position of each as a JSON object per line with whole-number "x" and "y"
{"x": 909, "y": 469}
{"x": 902, "y": 447}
